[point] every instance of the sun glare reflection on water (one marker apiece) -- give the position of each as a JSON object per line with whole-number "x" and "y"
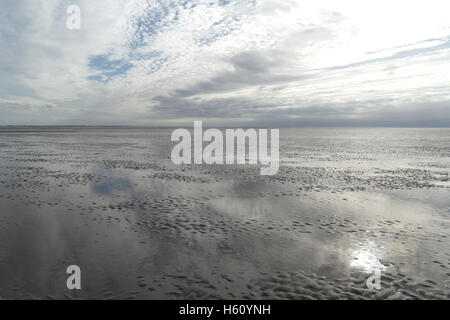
{"x": 367, "y": 257}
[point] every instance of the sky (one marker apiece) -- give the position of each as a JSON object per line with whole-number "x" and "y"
{"x": 227, "y": 63}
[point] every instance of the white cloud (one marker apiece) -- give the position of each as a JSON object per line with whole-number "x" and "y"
{"x": 146, "y": 62}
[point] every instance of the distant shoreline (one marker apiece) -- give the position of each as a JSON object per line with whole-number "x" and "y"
{"x": 74, "y": 128}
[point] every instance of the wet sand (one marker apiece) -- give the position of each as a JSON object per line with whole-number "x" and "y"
{"x": 344, "y": 203}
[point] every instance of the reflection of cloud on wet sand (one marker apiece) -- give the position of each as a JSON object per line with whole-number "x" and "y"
{"x": 147, "y": 228}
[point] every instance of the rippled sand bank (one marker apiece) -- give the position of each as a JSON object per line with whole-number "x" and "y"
{"x": 344, "y": 203}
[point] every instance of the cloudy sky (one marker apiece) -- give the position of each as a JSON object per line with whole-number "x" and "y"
{"x": 260, "y": 62}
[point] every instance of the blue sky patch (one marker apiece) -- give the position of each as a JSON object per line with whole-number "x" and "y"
{"x": 108, "y": 68}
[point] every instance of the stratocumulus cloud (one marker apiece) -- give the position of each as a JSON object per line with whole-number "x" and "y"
{"x": 280, "y": 63}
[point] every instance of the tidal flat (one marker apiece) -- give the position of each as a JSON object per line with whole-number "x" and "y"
{"x": 345, "y": 202}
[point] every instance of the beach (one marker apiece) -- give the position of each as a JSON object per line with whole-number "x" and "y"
{"x": 345, "y": 202}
